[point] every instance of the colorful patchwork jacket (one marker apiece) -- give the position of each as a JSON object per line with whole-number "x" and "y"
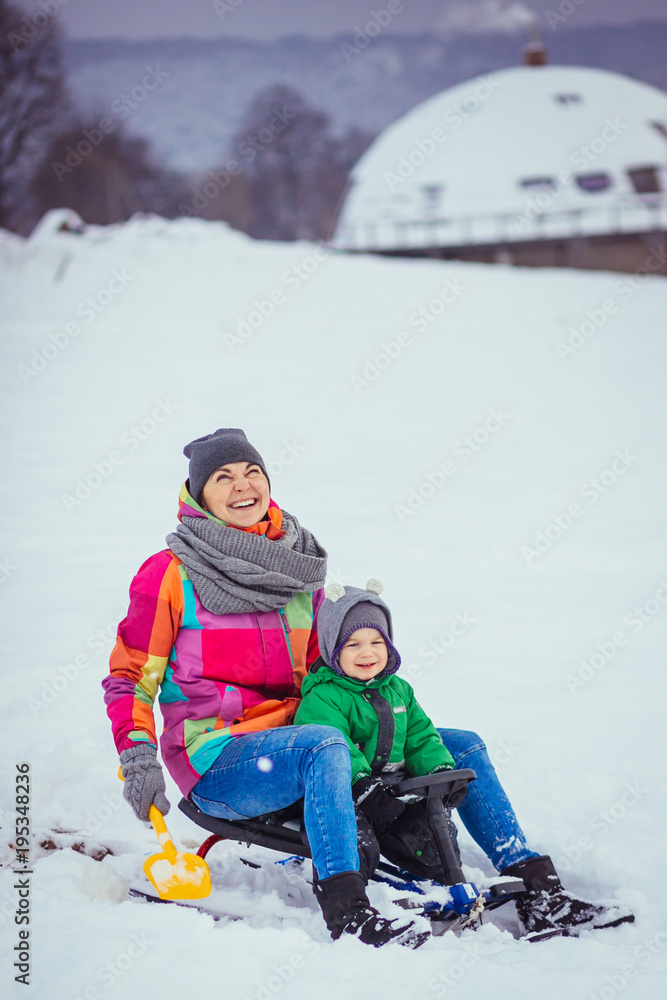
{"x": 218, "y": 676}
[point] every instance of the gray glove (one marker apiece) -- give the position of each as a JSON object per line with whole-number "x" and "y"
{"x": 143, "y": 780}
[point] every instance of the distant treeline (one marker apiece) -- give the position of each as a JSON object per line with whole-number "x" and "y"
{"x": 282, "y": 178}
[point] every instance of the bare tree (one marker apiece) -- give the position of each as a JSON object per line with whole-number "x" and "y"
{"x": 295, "y": 168}
{"x": 104, "y": 177}
{"x": 278, "y": 143}
{"x": 33, "y": 103}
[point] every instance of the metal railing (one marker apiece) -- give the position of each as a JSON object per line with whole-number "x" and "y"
{"x": 623, "y": 216}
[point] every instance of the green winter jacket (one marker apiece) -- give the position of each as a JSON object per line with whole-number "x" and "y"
{"x": 381, "y": 720}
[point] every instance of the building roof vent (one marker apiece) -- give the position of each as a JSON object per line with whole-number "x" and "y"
{"x": 535, "y": 52}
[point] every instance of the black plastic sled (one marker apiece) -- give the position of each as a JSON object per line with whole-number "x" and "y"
{"x": 283, "y": 831}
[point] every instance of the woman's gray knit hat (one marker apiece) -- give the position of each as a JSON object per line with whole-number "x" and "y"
{"x": 346, "y": 609}
{"x": 208, "y": 453}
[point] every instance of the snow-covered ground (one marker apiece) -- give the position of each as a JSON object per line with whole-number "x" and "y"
{"x": 498, "y": 461}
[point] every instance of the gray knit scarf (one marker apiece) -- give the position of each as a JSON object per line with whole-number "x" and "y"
{"x": 235, "y": 572}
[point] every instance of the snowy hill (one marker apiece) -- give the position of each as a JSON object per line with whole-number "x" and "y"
{"x": 488, "y": 441}
{"x": 205, "y": 86}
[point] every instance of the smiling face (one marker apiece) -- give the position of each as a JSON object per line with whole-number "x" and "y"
{"x": 364, "y": 655}
{"x": 237, "y": 493}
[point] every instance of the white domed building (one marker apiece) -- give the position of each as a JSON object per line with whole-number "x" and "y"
{"x": 533, "y": 165}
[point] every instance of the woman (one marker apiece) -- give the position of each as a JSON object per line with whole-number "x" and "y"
{"x": 222, "y": 622}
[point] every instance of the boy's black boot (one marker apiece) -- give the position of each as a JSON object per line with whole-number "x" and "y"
{"x": 548, "y": 906}
{"x": 346, "y": 910}
{"x": 409, "y": 842}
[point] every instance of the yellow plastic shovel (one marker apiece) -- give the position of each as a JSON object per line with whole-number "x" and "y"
{"x": 174, "y": 874}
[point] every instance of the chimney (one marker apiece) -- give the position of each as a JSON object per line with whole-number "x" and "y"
{"x": 535, "y": 52}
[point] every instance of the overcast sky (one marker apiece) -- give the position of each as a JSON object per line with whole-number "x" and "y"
{"x": 267, "y": 19}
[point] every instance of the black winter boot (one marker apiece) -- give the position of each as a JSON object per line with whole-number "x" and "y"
{"x": 367, "y": 846}
{"x": 346, "y": 910}
{"x": 548, "y": 906}
{"x": 409, "y": 842}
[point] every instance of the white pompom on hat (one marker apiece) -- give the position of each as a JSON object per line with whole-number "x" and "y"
{"x": 334, "y": 591}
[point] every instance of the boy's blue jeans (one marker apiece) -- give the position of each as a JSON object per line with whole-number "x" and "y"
{"x": 486, "y": 811}
{"x": 260, "y": 772}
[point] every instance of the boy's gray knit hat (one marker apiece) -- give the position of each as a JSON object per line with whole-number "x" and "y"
{"x": 346, "y": 609}
{"x": 208, "y": 453}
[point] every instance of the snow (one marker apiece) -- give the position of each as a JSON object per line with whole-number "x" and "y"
{"x": 474, "y": 146}
{"x": 507, "y": 491}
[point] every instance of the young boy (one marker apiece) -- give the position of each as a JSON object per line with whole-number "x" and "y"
{"x": 354, "y": 687}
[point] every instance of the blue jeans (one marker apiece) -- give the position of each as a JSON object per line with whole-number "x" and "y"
{"x": 486, "y": 811}
{"x": 271, "y": 769}
{"x": 259, "y": 772}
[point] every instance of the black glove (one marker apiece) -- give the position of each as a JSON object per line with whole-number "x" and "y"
{"x": 457, "y": 798}
{"x": 143, "y": 780}
{"x": 375, "y": 802}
